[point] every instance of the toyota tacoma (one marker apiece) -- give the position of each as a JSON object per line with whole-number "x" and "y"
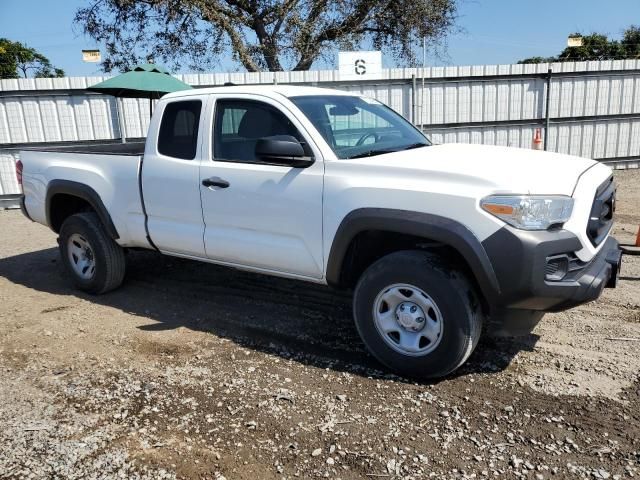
{"x": 437, "y": 242}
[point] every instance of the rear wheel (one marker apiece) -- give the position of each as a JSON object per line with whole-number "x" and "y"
{"x": 417, "y": 315}
{"x": 93, "y": 260}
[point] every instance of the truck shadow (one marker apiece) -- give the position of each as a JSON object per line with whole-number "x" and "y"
{"x": 308, "y": 323}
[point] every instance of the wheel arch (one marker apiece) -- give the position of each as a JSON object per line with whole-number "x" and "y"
{"x": 422, "y": 229}
{"x": 66, "y": 197}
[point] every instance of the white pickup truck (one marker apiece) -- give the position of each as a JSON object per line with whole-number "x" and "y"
{"x": 438, "y": 242}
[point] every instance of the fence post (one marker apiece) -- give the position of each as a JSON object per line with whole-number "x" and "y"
{"x": 547, "y": 110}
{"x": 414, "y": 100}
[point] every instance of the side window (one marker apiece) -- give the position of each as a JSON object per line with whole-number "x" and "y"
{"x": 239, "y": 124}
{"x": 178, "y": 135}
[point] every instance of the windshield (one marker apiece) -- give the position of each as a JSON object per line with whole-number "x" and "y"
{"x": 357, "y": 127}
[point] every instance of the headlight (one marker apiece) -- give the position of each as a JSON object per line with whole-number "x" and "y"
{"x": 529, "y": 212}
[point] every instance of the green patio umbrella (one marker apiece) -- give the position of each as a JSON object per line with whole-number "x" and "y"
{"x": 144, "y": 81}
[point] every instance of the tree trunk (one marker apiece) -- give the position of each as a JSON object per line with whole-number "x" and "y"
{"x": 306, "y": 61}
{"x": 269, "y": 48}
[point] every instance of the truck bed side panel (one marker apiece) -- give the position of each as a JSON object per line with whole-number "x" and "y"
{"x": 113, "y": 177}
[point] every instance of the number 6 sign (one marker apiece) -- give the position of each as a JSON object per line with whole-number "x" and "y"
{"x": 360, "y": 65}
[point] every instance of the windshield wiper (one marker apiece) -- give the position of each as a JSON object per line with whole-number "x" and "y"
{"x": 415, "y": 145}
{"x": 371, "y": 153}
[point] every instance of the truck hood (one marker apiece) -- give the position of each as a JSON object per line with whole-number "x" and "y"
{"x": 502, "y": 169}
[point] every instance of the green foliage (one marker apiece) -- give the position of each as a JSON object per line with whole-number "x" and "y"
{"x": 631, "y": 42}
{"x": 594, "y": 47}
{"x": 539, "y": 60}
{"x": 597, "y": 47}
{"x": 258, "y": 34}
{"x": 17, "y": 60}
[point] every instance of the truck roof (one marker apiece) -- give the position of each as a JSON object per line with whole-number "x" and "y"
{"x": 267, "y": 90}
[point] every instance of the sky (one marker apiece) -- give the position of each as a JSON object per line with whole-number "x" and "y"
{"x": 492, "y": 31}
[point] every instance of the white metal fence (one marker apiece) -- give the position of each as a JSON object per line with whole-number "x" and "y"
{"x": 593, "y": 107}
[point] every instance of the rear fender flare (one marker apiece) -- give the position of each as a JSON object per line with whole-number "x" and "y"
{"x": 84, "y": 192}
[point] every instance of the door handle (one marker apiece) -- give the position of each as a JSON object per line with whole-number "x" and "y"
{"x": 215, "y": 182}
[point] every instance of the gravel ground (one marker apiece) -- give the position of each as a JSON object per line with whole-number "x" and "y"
{"x": 195, "y": 371}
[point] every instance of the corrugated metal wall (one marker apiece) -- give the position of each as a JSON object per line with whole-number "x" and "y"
{"x": 594, "y": 107}
{"x": 8, "y": 181}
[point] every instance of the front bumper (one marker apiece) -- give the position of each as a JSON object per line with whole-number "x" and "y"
{"x": 602, "y": 272}
{"x": 520, "y": 259}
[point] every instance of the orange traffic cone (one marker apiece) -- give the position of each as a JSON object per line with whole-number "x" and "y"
{"x": 537, "y": 139}
{"x": 629, "y": 249}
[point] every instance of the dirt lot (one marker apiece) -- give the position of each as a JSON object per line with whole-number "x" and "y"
{"x": 195, "y": 371}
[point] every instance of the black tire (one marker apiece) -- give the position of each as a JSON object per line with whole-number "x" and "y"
{"x": 109, "y": 268}
{"x": 451, "y": 291}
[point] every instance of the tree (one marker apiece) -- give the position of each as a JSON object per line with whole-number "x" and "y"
{"x": 597, "y": 47}
{"x": 260, "y": 34}
{"x": 16, "y": 60}
{"x": 539, "y": 60}
{"x": 594, "y": 47}
{"x": 631, "y": 42}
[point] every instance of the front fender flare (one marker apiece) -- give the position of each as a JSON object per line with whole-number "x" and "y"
{"x": 433, "y": 227}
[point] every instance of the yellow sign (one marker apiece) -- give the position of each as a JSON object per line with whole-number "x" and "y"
{"x": 574, "y": 41}
{"x": 92, "y": 56}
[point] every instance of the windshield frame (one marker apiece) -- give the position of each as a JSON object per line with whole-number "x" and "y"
{"x": 412, "y": 136}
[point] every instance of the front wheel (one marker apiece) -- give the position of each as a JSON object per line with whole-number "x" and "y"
{"x": 417, "y": 315}
{"x": 93, "y": 260}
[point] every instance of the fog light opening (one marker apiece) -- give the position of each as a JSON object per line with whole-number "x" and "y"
{"x": 556, "y": 268}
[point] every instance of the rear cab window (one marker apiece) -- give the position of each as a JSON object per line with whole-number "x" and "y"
{"x": 178, "y": 134}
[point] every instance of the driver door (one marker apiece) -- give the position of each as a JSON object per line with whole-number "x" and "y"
{"x": 260, "y": 216}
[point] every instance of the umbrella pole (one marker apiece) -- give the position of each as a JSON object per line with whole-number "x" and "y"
{"x": 150, "y": 108}
{"x": 120, "y": 113}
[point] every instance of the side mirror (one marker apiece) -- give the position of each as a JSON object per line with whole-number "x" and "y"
{"x": 282, "y": 150}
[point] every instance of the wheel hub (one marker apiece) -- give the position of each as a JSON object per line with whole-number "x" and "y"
{"x": 81, "y": 256}
{"x": 410, "y": 316}
{"x": 408, "y": 320}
